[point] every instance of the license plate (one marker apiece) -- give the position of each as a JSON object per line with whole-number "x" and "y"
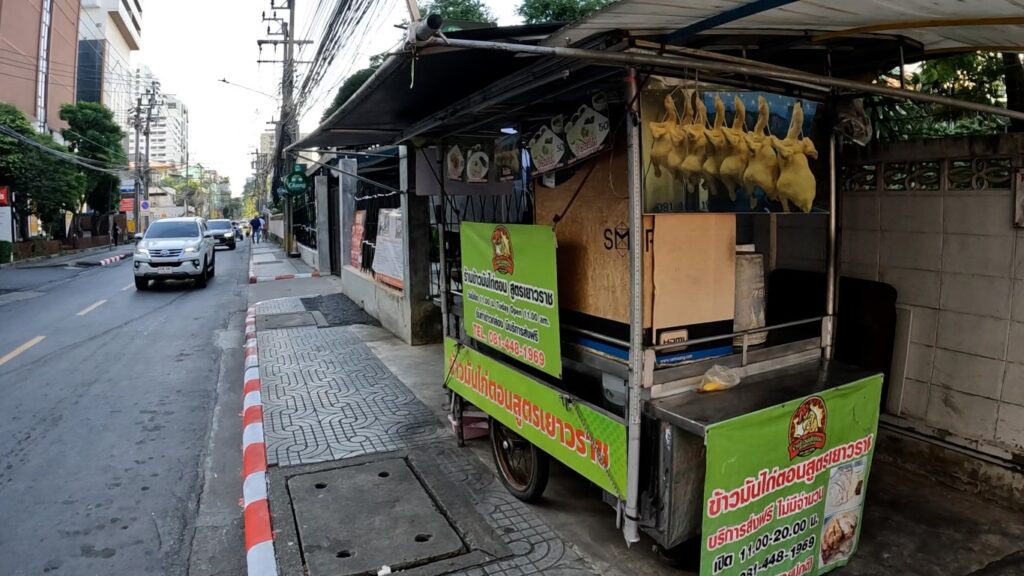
{"x": 164, "y": 270}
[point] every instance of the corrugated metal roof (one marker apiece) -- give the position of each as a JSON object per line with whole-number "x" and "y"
{"x": 937, "y": 25}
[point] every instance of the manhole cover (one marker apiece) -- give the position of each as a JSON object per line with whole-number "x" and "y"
{"x": 286, "y": 320}
{"x": 354, "y": 520}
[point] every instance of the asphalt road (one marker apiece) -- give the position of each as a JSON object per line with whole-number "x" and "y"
{"x": 106, "y": 401}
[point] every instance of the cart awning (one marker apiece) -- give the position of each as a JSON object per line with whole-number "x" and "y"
{"x": 405, "y": 89}
{"x": 936, "y": 26}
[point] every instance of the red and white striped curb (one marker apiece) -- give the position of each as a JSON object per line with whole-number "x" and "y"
{"x": 112, "y": 259}
{"x": 259, "y": 537}
{"x": 253, "y": 279}
{"x": 105, "y": 261}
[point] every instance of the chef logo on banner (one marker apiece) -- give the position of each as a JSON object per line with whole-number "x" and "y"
{"x": 807, "y": 427}
{"x": 503, "y": 261}
{"x": 784, "y": 486}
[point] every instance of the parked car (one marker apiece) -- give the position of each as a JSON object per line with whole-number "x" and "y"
{"x": 174, "y": 249}
{"x": 223, "y": 233}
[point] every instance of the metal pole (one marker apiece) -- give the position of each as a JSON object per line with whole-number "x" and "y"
{"x": 831, "y": 272}
{"x": 290, "y": 125}
{"x": 689, "y": 64}
{"x": 636, "y": 312}
{"x": 138, "y": 164}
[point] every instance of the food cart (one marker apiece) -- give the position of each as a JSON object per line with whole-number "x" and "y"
{"x": 583, "y": 344}
{"x": 625, "y": 315}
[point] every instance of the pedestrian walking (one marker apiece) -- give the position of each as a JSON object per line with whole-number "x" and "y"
{"x": 256, "y": 224}
{"x": 263, "y": 225}
{"x": 115, "y": 232}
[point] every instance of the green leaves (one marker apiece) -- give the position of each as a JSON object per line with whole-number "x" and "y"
{"x": 93, "y": 134}
{"x": 44, "y": 184}
{"x": 471, "y": 10}
{"x": 539, "y": 11}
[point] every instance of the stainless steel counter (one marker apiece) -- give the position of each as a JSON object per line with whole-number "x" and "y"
{"x": 694, "y": 411}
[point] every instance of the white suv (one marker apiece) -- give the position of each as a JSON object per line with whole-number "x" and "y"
{"x": 174, "y": 248}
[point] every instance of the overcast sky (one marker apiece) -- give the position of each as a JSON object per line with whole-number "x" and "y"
{"x": 191, "y": 44}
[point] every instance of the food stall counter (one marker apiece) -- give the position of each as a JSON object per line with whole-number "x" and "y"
{"x": 694, "y": 411}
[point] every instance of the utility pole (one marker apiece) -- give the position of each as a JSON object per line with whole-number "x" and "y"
{"x": 289, "y": 114}
{"x": 149, "y": 118}
{"x": 137, "y": 122}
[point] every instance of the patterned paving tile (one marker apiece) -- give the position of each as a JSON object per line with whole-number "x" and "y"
{"x": 280, "y": 306}
{"x": 326, "y": 396}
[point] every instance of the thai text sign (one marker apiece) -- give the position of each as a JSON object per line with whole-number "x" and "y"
{"x": 584, "y": 439}
{"x": 510, "y": 291}
{"x": 784, "y": 488}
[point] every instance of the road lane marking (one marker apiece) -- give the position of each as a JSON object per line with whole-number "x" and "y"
{"x": 14, "y": 353}
{"x": 128, "y": 286}
{"x": 91, "y": 308}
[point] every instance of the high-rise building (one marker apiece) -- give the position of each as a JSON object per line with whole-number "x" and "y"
{"x": 38, "y": 46}
{"x": 108, "y": 32}
{"x": 168, "y": 128}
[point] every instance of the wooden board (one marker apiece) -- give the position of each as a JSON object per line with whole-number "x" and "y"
{"x": 694, "y": 269}
{"x": 593, "y": 238}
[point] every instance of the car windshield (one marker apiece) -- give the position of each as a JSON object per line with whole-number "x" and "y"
{"x": 219, "y": 225}
{"x": 173, "y": 230}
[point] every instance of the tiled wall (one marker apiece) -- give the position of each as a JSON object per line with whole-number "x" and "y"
{"x": 947, "y": 242}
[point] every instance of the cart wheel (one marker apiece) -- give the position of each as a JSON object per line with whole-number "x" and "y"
{"x": 522, "y": 467}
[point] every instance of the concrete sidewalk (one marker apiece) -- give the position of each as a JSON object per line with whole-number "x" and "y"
{"x": 341, "y": 394}
{"x": 270, "y": 262}
{"x": 85, "y": 257}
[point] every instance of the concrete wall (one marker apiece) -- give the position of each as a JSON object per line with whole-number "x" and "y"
{"x": 407, "y": 313}
{"x": 936, "y": 221}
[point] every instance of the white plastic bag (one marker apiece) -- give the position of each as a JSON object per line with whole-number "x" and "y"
{"x": 718, "y": 378}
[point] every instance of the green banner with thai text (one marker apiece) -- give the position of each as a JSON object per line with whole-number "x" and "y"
{"x": 784, "y": 487}
{"x": 584, "y": 439}
{"x": 510, "y": 291}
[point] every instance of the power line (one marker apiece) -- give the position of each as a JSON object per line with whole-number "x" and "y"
{"x": 67, "y": 157}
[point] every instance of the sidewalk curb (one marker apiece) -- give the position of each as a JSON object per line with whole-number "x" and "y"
{"x": 105, "y": 261}
{"x": 253, "y": 279}
{"x": 259, "y": 536}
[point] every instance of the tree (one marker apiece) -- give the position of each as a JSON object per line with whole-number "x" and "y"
{"x": 540, "y": 11}
{"x": 983, "y": 77}
{"x": 54, "y": 186}
{"x": 93, "y": 134}
{"x": 471, "y": 10}
{"x": 44, "y": 184}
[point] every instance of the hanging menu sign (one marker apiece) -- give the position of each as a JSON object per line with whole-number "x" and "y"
{"x": 510, "y": 287}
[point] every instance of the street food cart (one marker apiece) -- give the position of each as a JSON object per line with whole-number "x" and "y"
{"x": 614, "y": 352}
{"x": 620, "y": 307}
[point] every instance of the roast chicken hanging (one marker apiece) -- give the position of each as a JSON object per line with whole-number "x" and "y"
{"x": 736, "y": 151}
{"x": 678, "y": 136}
{"x": 661, "y": 144}
{"x": 697, "y": 143}
{"x": 796, "y": 183}
{"x": 763, "y": 167}
{"x": 717, "y": 151}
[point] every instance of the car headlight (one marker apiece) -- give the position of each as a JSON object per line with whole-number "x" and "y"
{"x": 229, "y": 235}
{"x": 141, "y": 252}
{"x": 191, "y": 249}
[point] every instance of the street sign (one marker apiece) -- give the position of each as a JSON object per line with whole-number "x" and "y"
{"x": 131, "y": 226}
{"x": 5, "y": 196}
{"x": 145, "y": 206}
{"x": 296, "y": 181}
{"x": 127, "y": 205}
